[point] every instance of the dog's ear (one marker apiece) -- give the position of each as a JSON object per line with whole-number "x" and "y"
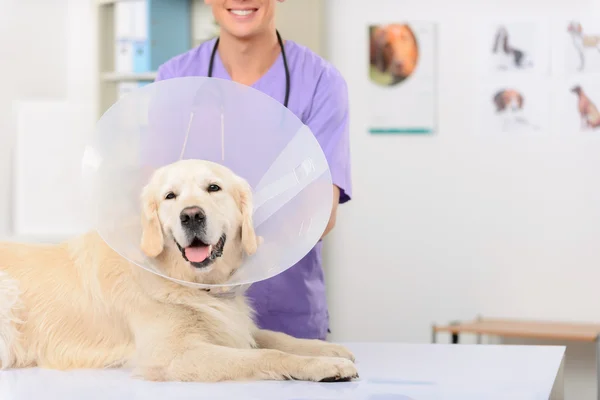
{"x": 378, "y": 42}
{"x": 521, "y": 99}
{"x": 152, "y": 242}
{"x": 250, "y": 241}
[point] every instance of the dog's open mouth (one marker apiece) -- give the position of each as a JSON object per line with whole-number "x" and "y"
{"x": 200, "y": 254}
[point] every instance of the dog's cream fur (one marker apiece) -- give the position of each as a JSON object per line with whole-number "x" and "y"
{"x": 80, "y": 305}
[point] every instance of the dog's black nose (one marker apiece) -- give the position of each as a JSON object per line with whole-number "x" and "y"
{"x": 192, "y": 216}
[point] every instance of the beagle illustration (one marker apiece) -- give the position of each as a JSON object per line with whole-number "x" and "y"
{"x": 590, "y": 116}
{"x": 502, "y": 46}
{"x": 582, "y": 42}
{"x": 508, "y": 98}
{"x": 509, "y": 104}
{"x": 394, "y": 50}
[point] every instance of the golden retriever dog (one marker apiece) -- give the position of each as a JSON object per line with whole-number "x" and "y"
{"x": 79, "y": 304}
{"x": 394, "y": 50}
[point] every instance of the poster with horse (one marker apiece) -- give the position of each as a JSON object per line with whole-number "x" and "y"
{"x": 402, "y": 78}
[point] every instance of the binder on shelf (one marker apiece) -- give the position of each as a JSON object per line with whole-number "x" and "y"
{"x": 150, "y": 32}
{"x": 124, "y": 56}
{"x": 123, "y": 16}
{"x": 140, "y": 19}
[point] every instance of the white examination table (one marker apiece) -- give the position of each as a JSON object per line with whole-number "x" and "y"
{"x": 388, "y": 371}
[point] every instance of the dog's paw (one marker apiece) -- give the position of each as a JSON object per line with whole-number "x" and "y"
{"x": 327, "y": 369}
{"x": 335, "y": 350}
{"x": 153, "y": 374}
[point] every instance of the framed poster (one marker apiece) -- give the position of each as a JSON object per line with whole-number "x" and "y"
{"x": 579, "y": 99}
{"x": 514, "y": 106}
{"x": 402, "y": 78}
{"x": 512, "y": 46}
{"x": 577, "y": 46}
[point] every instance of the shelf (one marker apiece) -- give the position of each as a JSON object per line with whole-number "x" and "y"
{"x": 109, "y": 2}
{"x": 128, "y": 77}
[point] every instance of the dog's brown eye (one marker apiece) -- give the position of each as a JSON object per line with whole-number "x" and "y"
{"x": 170, "y": 196}
{"x": 213, "y": 188}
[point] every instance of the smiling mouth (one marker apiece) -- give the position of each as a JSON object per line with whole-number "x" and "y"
{"x": 200, "y": 254}
{"x": 242, "y": 13}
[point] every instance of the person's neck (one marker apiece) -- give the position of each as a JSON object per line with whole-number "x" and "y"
{"x": 247, "y": 61}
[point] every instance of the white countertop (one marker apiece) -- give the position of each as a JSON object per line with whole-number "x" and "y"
{"x": 388, "y": 371}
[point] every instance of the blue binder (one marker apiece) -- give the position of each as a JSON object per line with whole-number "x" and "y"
{"x": 168, "y": 33}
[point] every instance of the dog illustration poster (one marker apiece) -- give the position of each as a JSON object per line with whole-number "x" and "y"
{"x": 402, "y": 77}
{"x": 517, "y": 46}
{"x": 581, "y": 40}
{"x": 580, "y": 106}
{"x": 509, "y": 107}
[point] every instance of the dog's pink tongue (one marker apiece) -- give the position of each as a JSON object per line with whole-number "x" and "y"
{"x": 196, "y": 253}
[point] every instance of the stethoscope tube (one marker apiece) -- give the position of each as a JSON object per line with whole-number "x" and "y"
{"x": 285, "y": 66}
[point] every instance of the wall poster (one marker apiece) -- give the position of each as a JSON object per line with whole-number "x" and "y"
{"x": 402, "y": 78}
{"x": 581, "y": 43}
{"x": 513, "y": 65}
{"x": 513, "y": 105}
{"x": 518, "y": 46}
{"x": 580, "y": 98}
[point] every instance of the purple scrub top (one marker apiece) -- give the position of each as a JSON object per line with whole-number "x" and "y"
{"x": 293, "y": 302}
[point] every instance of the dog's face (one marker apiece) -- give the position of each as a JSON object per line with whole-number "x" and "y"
{"x": 197, "y": 221}
{"x": 508, "y": 99}
{"x": 395, "y": 50}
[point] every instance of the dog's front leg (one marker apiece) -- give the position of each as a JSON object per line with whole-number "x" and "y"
{"x": 205, "y": 362}
{"x": 584, "y": 122}
{"x": 266, "y": 339}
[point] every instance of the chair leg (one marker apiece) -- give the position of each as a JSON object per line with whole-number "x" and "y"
{"x": 598, "y": 367}
{"x": 455, "y": 337}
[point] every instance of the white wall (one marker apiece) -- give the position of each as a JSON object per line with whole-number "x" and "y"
{"x": 458, "y": 224}
{"x": 48, "y": 55}
{"x": 33, "y": 64}
{"x": 441, "y": 227}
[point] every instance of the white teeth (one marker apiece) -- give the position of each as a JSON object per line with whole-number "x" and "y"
{"x": 210, "y": 249}
{"x": 242, "y": 13}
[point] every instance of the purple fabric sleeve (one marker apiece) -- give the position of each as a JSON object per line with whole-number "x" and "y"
{"x": 328, "y": 119}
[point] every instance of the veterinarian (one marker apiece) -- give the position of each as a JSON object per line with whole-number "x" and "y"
{"x": 250, "y": 51}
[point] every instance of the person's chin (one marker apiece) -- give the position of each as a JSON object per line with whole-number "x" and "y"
{"x": 241, "y": 28}
{"x": 242, "y": 32}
